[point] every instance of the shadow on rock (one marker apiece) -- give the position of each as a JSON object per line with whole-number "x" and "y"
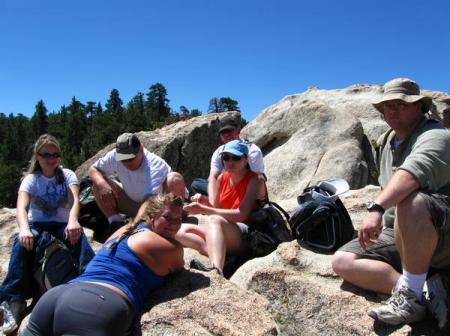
{"x": 177, "y": 286}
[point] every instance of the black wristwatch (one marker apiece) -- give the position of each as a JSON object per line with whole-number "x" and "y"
{"x": 372, "y": 206}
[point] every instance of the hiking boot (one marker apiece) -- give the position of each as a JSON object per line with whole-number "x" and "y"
{"x": 12, "y": 314}
{"x": 435, "y": 291}
{"x": 402, "y": 307}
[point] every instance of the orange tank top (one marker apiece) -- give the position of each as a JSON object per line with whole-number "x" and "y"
{"x": 232, "y": 196}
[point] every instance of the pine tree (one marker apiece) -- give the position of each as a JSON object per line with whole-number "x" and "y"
{"x": 228, "y": 104}
{"x": 23, "y": 141}
{"x": 75, "y": 131}
{"x": 184, "y": 111}
{"x": 195, "y": 113}
{"x": 114, "y": 108}
{"x": 39, "y": 121}
{"x": 57, "y": 123}
{"x": 157, "y": 105}
{"x": 223, "y": 104}
{"x": 134, "y": 116}
{"x": 214, "y": 106}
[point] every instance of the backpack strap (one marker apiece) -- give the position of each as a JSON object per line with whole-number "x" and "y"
{"x": 379, "y": 146}
{"x": 284, "y": 212}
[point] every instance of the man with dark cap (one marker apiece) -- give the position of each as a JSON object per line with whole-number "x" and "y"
{"x": 129, "y": 175}
{"x": 406, "y": 230}
{"x": 229, "y": 129}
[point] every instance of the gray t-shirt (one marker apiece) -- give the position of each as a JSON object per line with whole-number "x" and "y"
{"x": 425, "y": 154}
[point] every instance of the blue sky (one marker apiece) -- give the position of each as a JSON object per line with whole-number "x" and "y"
{"x": 255, "y": 51}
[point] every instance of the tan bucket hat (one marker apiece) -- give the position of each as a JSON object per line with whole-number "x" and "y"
{"x": 404, "y": 89}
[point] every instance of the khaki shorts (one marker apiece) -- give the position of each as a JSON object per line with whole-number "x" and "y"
{"x": 125, "y": 204}
{"x": 384, "y": 248}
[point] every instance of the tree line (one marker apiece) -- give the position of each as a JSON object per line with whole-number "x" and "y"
{"x": 84, "y": 128}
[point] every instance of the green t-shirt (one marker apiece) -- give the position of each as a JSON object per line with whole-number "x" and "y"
{"x": 425, "y": 154}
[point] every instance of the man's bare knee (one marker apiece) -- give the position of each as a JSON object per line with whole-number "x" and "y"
{"x": 413, "y": 206}
{"x": 342, "y": 262}
{"x": 174, "y": 183}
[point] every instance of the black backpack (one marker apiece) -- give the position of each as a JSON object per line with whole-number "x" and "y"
{"x": 269, "y": 227}
{"x": 91, "y": 216}
{"x": 56, "y": 265}
{"x": 321, "y": 220}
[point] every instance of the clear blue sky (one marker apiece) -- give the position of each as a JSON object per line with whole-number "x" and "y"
{"x": 255, "y": 51}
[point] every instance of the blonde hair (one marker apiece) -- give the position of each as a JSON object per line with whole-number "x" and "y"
{"x": 34, "y": 166}
{"x": 153, "y": 209}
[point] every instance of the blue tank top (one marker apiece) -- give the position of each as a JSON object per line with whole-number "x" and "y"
{"x": 121, "y": 268}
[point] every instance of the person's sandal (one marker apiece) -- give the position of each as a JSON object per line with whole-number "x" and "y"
{"x": 198, "y": 265}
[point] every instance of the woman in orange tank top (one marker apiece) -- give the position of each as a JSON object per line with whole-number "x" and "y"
{"x": 239, "y": 189}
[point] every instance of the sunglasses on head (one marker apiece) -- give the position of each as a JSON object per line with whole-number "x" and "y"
{"x": 49, "y": 155}
{"x": 228, "y": 157}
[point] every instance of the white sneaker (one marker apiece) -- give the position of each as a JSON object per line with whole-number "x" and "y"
{"x": 402, "y": 307}
{"x": 435, "y": 291}
{"x": 12, "y": 314}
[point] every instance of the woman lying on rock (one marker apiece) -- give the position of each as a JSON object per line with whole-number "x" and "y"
{"x": 239, "y": 192}
{"x": 108, "y": 297}
{"x": 47, "y": 202}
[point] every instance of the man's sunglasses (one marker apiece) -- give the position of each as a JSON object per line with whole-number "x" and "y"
{"x": 231, "y": 157}
{"x": 49, "y": 155}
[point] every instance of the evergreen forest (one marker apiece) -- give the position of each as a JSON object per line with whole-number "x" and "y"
{"x": 84, "y": 128}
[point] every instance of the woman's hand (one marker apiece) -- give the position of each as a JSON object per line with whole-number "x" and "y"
{"x": 73, "y": 231}
{"x": 199, "y": 198}
{"x": 26, "y": 239}
{"x": 194, "y": 208}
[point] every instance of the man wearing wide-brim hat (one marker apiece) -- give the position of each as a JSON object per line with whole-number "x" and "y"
{"x": 406, "y": 230}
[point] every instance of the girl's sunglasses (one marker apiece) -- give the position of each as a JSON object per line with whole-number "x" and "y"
{"x": 49, "y": 155}
{"x": 228, "y": 157}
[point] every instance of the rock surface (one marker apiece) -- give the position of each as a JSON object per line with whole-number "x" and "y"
{"x": 292, "y": 291}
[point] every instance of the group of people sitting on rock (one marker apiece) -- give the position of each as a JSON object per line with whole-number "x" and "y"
{"x": 107, "y": 297}
{"x": 405, "y": 233}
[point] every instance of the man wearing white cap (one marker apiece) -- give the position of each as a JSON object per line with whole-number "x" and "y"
{"x": 129, "y": 175}
{"x": 406, "y": 230}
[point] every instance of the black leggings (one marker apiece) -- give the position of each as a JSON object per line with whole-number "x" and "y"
{"x": 81, "y": 309}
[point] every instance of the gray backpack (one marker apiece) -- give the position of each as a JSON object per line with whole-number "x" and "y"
{"x": 55, "y": 267}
